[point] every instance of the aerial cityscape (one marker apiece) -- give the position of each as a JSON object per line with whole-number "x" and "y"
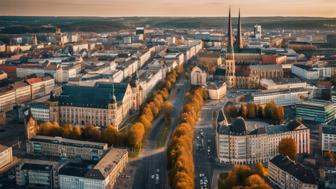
{"x": 204, "y": 94}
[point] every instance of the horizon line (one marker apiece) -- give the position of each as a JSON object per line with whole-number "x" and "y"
{"x": 166, "y": 16}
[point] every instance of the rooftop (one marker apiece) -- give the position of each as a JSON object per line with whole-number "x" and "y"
{"x": 98, "y": 96}
{"x": 69, "y": 142}
{"x": 329, "y": 130}
{"x": 89, "y": 169}
{"x": 317, "y": 103}
{"x": 296, "y": 170}
{"x": 303, "y": 66}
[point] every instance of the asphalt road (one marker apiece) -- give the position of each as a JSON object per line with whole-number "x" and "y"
{"x": 153, "y": 161}
{"x": 205, "y": 147}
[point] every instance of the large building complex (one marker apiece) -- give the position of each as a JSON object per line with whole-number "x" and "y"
{"x": 319, "y": 111}
{"x": 286, "y": 174}
{"x": 38, "y": 174}
{"x": 65, "y": 148}
{"x": 284, "y": 97}
{"x": 102, "y": 175}
{"x": 101, "y": 105}
{"x": 242, "y": 143}
{"x": 24, "y": 91}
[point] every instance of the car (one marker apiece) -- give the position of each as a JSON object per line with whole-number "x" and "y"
{"x": 157, "y": 170}
{"x": 157, "y": 179}
{"x": 153, "y": 176}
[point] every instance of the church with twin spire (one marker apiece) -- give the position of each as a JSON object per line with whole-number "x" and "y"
{"x": 245, "y": 78}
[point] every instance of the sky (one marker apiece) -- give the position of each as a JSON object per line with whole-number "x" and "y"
{"x": 115, "y": 8}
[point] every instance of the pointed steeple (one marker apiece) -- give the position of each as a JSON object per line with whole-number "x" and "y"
{"x": 239, "y": 40}
{"x": 230, "y": 37}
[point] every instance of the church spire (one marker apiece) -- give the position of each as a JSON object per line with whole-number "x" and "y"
{"x": 230, "y": 37}
{"x": 239, "y": 41}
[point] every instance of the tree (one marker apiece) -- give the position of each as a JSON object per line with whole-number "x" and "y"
{"x": 136, "y": 135}
{"x": 287, "y": 147}
{"x": 243, "y": 177}
{"x": 110, "y": 135}
{"x": 67, "y": 130}
{"x": 91, "y": 133}
{"x": 268, "y": 110}
{"x": 251, "y": 112}
{"x": 260, "y": 111}
{"x": 167, "y": 108}
{"x": 243, "y": 110}
{"x": 261, "y": 170}
{"x": 256, "y": 182}
{"x": 279, "y": 114}
{"x": 231, "y": 111}
{"x": 76, "y": 133}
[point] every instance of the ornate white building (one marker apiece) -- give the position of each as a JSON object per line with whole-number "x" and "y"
{"x": 198, "y": 76}
{"x": 242, "y": 143}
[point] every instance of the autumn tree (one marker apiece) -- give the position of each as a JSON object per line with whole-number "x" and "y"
{"x": 255, "y": 181}
{"x": 111, "y": 136}
{"x": 91, "y": 133}
{"x": 251, "y": 110}
{"x": 136, "y": 135}
{"x": 180, "y": 159}
{"x": 76, "y": 133}
{"x": 287, "y": 147}
{"x": 167, "y": 108}
{"x": 242, "y": 177}
{"x": 261, "y": 170}
{"x": 279, "y": 114}
{"x": 243, "y": 110}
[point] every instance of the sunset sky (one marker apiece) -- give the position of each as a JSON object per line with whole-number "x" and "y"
{"x": 322, "y": 8}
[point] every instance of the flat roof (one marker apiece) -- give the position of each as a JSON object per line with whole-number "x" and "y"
{"x": 70, "y": 142}
{"x": 317, "y": 103}
{"x": 92, "y": 170}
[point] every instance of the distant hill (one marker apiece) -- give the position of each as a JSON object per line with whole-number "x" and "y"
{"x": 19, "y": 24}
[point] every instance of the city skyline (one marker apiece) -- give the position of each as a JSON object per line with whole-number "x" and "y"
{"x": 172, "y": 8}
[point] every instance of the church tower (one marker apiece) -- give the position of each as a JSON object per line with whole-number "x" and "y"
{"x": 239, "y": 39}
{"x": 229, "y": 61}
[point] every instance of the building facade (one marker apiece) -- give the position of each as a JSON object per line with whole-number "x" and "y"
{"x": 198, "y": 76}
{"x": 287, "y": 174}
{"x": 319, "y": 111}
{"x": 103, "y": 175}
{"x": 37, "y": 174}
{"x": 283, "y": 97}
{"x": 101, "y": 105}
{"x": 328, "y": 138}
{"x": 65, "y": 148}
{"x": 217, "y": 90}
{"x": 6, "y": 156}
{"x": 238, "y": 143}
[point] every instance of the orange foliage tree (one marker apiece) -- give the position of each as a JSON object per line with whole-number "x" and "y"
{"x": 180, "y": 159}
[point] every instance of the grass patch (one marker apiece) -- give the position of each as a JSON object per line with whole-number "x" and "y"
{"x": 162, "y": 137}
